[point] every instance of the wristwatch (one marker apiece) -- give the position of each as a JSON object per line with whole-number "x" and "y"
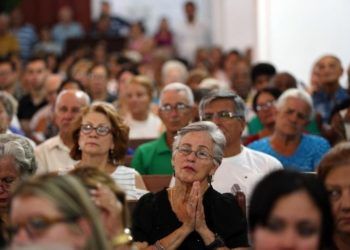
{"x": 218, "y": 242}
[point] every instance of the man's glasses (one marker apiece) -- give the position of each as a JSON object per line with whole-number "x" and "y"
{"x": 220, "y": 115}
{"x": 101, "y": 130}
{"x": 37, "y": 225}
{"x": 200, "y": 154}
{"x": 265, "y": 106}
{"x": 178, "y": 107}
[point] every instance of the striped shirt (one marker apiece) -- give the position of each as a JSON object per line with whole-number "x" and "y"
{"x": 125, "y": 178}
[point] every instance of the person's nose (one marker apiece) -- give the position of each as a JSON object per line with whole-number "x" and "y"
{"x": 192, "y": 156}
{"x": 2, "y": 188}
{"x": 288, "y": 240}
{"x": 21, "y": 237}
{"x": 174, "y": 112}
{"x": 216, "y": 120}
{"x": 345, "y": 201}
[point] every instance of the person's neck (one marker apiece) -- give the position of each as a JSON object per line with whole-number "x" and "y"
{"x": 330, "y": 88}
{"x": 342, "y": 241}
{"x": 191, "y": 19}
{"x": 285, "y": 144}
{"x": 267, "y": 130}
{"x": 98, "y": 161}
{"x": 232, "y": 149}
{"x": 37, "y": 95}
{"x": 99, "y": 96}
{"x": 10, "y": 89}
{"x": 170, "y": 138}
{"x": 65, "y": 138}
{"x": 142, "y": 116}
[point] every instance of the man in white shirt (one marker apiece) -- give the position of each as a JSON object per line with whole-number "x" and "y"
{"x": 241, "y": 167}
{"x": 191, "y": 35}
{"x": 53, "y": 154}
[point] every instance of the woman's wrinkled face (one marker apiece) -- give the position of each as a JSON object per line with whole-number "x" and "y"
{"x": 137, "y": 99}
{"x": 294, "y": 223}
{"x": 35, "y": 220}
{"x": 91, "y": 142}
{"x": 193, "y": 160}
{"x": 338, "y": 185}
{"x": 9, "y": 175}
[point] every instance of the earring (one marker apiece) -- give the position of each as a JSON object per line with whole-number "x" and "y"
{"x": 210, "y": 179}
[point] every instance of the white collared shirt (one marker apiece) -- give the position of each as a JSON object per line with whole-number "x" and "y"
{"x": 53, "y": 156}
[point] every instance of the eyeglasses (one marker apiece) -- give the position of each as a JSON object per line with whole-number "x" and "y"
{"x": 101, "y": 130}
{"x": 200, "y": 154}
{"x": 7, "y": 181}
{"x": 37, "y": 225}
{"x": 220, "y": 115}
{"x": 265, "y": 106}
{"x": 178, "y": 107}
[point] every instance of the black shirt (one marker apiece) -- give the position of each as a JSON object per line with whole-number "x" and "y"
{"x": 153, "y": 219}
{"x": 26, "y": 107}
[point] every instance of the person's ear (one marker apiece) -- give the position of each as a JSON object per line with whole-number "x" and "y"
{"x": 213, "y": 169}
{"x": 86, "y": 232}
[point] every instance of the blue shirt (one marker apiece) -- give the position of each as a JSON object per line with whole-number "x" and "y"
{"x": 324, "y": 103}
{"x": 305, "y": 158}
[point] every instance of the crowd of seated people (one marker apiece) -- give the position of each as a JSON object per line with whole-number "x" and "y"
{"x": 210, "y": 122}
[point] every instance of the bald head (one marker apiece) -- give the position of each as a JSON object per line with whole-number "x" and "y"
{"x": 68, "y": 106}
{"x": 329, "y": 70}
{"x": 52, "y": 83}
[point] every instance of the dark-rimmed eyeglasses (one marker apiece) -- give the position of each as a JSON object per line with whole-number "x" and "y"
{"x": 265, "y": 106}
{"x": 178, "y": 107}
{"x": 220, "y": 115}
{"x": 101, "y": 130}
{"x": 200, "y": 154}
{"x": 37, "y": 225}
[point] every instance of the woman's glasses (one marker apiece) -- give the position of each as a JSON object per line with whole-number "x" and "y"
{"x": 101, "y": 130}
{"x": 37, "y": 225}
{"x": 200, "y": 154}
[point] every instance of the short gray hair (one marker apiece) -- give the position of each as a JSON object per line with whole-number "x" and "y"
{"x": 78, "y": 93}
{"x": 296, "y": 93}
{"x": 177, "y": 65}
{"x": 21, "y": 150}
{"x": 9, "y": 102}
{"x": 214, "y": 132}
{"x": 178, "y": 87}
{"x": 221, "y": 94}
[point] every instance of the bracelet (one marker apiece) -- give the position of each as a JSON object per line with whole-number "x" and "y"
{"x": 122, "y": 239}
{"x": 218, "y": 242}
{"x": 159, "y": 246}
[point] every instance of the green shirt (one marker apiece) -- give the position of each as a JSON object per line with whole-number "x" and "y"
{"x": 255, "y": 126}
{"x": 153, "y": 157}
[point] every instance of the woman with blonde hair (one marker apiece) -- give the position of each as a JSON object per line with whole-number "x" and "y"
{"x": 111, "y": 201}
{"x": 100, "y": 139}
{"x": 143, "y": 123}
{"x": 55, "y": 211}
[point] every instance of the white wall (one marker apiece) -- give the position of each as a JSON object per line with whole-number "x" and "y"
{"x": 234, "y": 23}
{"x": 293, "y": 34}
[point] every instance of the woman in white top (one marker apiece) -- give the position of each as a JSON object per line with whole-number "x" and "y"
{"x": 143, "y": 123}
{"x": 100, "y": 140}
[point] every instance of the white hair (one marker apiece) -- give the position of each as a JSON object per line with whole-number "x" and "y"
{"x": 296, "y": 93}
{"x": 178, "y": 87}
{"x": 174, "y": 65}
